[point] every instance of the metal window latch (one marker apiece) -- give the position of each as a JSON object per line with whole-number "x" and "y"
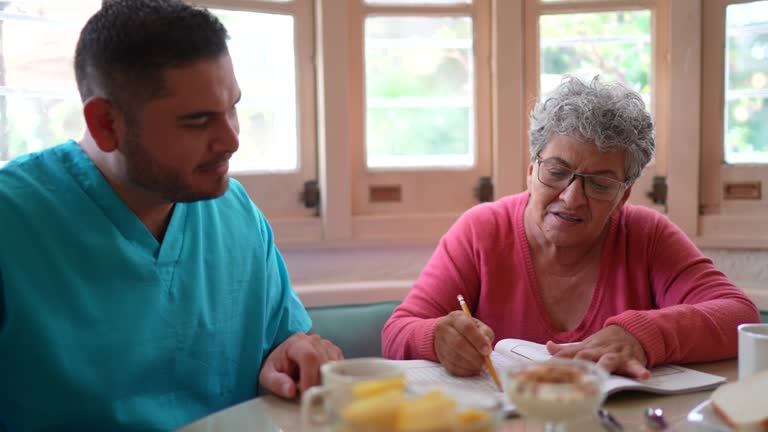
{"x": 310, "y": 195}
{"x": 658, "y": 192}
{"x": 484, "y": 190}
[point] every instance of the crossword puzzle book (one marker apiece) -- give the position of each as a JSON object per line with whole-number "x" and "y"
{"x": 667, "y": 379}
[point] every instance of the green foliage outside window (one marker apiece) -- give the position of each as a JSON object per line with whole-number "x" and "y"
{"x": 419, "y": 88}
{"x": 614, "y": 45}
{"x": 746, "y": 83}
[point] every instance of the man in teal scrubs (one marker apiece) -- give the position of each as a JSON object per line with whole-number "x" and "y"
{"x": 140, "y": 288}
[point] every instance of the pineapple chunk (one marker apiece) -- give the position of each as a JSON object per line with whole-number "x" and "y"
{"x": 432, "y": 412}
{"x": 377, "y": 412}
{"x": 471, "y": 415}
{"x": 475, "y": 420}
{"x": 373, "y": 387}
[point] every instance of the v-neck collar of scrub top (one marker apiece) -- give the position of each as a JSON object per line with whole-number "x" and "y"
{"x": 92, "y": 181}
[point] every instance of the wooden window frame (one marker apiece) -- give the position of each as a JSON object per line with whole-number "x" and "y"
{"x": 724, "y": 223}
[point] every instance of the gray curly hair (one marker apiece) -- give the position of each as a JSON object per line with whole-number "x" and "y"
{"x": 611, "y": 116}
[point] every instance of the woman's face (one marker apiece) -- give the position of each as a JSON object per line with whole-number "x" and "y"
{"x": 567, "y": 217}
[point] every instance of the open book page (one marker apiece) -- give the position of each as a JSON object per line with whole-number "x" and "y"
{"x": 665, "y": 379}
{"x": 422, "y": 374}
{"x": 426, "y": 373}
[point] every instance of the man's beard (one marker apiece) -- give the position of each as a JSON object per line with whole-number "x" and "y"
{"x": 150, "y": 175}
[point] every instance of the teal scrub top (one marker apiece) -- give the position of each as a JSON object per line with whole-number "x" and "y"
{"x": 104, "y": 328}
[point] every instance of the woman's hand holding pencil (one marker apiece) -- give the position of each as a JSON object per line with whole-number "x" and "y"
{"x": 462, "y": 343}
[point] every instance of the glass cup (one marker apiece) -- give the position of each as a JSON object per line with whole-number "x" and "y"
{"x": 320, "y": 403}
{"x": 556, "y": 390}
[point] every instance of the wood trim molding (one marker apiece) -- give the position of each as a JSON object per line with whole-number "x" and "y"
{"x": 684, "y": 100}
{"x": 349, "y": 293}
{"x": 712, "y": 103}
{"x": 509, "y": 124}
{"x": 333, "y": 35}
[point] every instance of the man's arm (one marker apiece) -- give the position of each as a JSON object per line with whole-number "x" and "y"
{"x": 294, "y": 363}
{"x": 294, "y": 358}
{"x": 285, "y": 314}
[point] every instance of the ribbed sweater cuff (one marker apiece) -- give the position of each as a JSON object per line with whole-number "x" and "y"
{"x": 646, "y": 332}
{"x": 426, "y": 340}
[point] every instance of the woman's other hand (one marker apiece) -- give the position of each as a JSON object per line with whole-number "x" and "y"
{"x": 613, "y": 348}
{"x": 461, "y": 343}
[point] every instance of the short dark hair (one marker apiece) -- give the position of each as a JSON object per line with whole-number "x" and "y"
{"x": 125, "y": 47}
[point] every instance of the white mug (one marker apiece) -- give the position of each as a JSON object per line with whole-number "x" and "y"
{"x": 753, "y": 349}
{"x": 337, "y": 378}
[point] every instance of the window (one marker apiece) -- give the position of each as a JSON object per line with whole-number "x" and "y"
{"x": 734, "y": 115}
{"x": 398, "y": 108}
{"x": 615, "y": 45}
{"x": 746, "y": 83}
{"x": 39, "y": 103}
{"x": 419, "y": 92}
{"x": 420, "y": 113}
{"x": 266, "y": 73}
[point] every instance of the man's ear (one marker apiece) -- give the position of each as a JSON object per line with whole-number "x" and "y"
{"x": 102, "y": 118}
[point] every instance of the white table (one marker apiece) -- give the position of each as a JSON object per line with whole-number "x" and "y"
{"x": 270, "y": 413}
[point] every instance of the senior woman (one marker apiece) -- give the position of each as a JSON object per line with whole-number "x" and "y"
{"x": 569, "y": 261}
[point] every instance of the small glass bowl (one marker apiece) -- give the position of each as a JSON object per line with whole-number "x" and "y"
{"x": 555, "y": 390}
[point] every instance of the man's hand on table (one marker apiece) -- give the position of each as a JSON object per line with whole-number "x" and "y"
{"x": 613, "y": 348}
{"x": 294, "y": 366}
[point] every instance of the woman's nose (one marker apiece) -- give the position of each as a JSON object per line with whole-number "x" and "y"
{"x": 574, "y": 193}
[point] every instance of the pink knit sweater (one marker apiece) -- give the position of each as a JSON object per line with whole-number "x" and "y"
{"x": 652, "y": 281}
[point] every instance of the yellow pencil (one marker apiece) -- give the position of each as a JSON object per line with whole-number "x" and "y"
{"x": 488, "y": 364}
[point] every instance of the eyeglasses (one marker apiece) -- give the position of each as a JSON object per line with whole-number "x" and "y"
{"x": 558, "y": 176}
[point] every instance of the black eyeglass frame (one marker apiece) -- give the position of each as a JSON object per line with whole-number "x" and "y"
{"x": 623, "y": 185}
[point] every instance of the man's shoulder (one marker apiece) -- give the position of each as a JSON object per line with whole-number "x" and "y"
{"x": 17, "y": 172}
{"x": 33, "y": 165}
{"x": 30, "y": 176}
{"x": 38, "y": 190}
